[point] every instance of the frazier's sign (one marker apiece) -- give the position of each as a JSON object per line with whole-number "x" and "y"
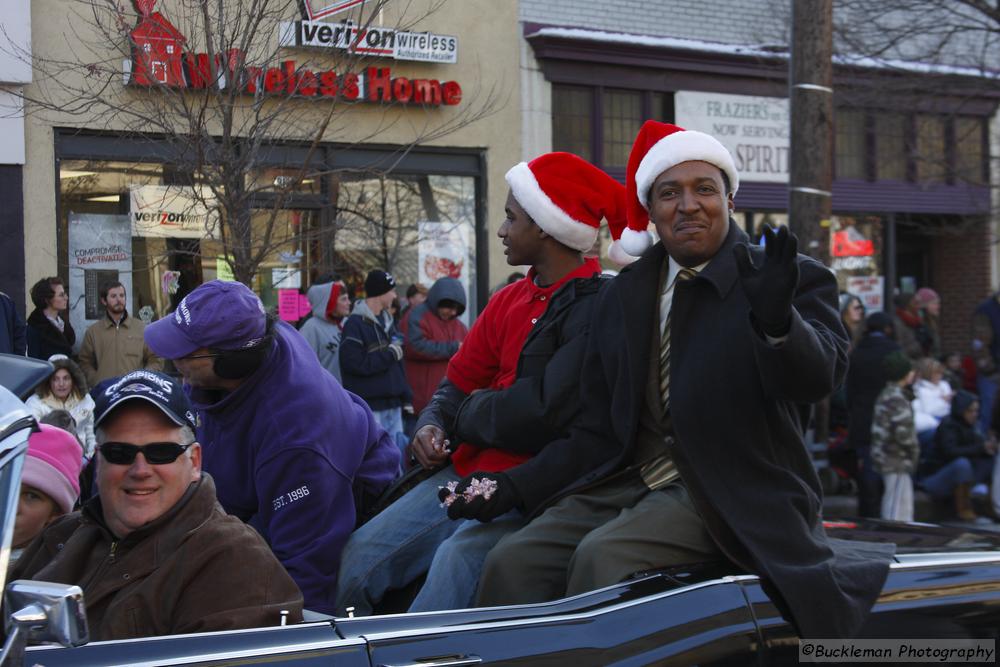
{"x": 159, "y": 58}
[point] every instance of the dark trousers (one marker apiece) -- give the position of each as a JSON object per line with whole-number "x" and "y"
{"x": 594, "y": 539}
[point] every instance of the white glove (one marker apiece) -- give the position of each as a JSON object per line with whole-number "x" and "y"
{"x": 397, "y": 350}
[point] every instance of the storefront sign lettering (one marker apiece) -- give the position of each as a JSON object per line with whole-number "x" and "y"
{"x": 384, "y": 42}
{"x": 754, "y": 129}
{"x": 160, "y": 59}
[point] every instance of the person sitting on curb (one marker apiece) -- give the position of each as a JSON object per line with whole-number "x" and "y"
{"x": 178, "y": 563}
{"x": 960, "y": 458}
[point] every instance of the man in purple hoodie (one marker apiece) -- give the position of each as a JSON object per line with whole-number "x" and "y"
{"x": 291, "y": 451}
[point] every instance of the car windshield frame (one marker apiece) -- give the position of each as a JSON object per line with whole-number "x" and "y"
{"x": 16, "y": 424}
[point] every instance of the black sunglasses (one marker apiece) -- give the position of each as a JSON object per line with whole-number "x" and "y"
{"x": 155, "y": 453}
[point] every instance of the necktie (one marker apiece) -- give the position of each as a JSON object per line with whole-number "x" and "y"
{"x": 685, "y": 274}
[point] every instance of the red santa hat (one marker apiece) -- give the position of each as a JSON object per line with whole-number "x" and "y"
{"x": 568, "y": 197}
{"x": 658, "y": 147}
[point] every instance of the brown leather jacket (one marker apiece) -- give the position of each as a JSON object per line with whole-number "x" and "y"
{"x": 195, "y": 569}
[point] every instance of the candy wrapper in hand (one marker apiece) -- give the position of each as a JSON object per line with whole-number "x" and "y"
{"x": 478, "y": 488}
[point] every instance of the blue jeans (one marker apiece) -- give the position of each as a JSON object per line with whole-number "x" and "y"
{"x": 392, "y": 421}
{"x": 412, "y": 536}
{"x": 458, "y": 563}
{"x": 942, "y": 482}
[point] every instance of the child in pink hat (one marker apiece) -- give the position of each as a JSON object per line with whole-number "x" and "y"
{"x": 50, "y": 482}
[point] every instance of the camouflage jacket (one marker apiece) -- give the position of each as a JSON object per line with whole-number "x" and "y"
{"x": 894, "y": 437}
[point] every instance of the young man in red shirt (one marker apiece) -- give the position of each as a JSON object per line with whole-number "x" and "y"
{"x": 510, "y": 389}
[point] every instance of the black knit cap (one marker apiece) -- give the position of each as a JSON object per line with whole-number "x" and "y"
{"x": 896, "y": 366}
{"x": 378, "y": 283}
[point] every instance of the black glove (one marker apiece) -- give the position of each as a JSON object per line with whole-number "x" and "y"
{"x": 503, "y": 500}
{"x": 770, "y": 288}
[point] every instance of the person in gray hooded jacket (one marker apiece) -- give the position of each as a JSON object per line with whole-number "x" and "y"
{"x": 331, "y": 304}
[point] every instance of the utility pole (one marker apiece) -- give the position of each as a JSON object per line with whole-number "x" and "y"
{"x": 810, "y": 91}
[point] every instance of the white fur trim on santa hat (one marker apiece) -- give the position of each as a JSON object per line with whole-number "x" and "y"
{"x": 619, "y": 256}
{"x": 635, "y": 243}
{"x": 682, "y": 146}
{"x": 546, "y": 213}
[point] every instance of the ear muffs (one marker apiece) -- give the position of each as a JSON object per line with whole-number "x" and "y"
{"x": 239, "y": 364}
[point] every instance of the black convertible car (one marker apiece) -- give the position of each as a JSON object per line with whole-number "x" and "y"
{"x": 945, "y": 584}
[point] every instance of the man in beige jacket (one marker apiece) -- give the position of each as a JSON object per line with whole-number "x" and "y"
{"x": 114, "y": 345}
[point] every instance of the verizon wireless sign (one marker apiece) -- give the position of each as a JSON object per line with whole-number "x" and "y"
{"x": 382, "y": 42}
{"x": 171, "y": 211}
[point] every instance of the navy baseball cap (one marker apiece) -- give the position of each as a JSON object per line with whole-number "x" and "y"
{"x": 219, "y": 314}
{"x": 156, "y": 388}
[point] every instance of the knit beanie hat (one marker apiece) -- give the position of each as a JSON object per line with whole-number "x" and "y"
{"x": 896, "y": 366}
{"x": 378, "y": 283}
{"x": 53, "y": 465}
{"x": 657, "y": 148}
{"x": 568, "y": 197}
{"x": 925, "y": 295}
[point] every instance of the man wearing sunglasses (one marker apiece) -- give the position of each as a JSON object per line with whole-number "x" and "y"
{"x": 291, "y": 451}
{"x": 154, "y": 551}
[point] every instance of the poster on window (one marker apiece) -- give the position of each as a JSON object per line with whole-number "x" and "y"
{"x": 754, "y": 129}
{"x": 100, "y": 249}
{"x": 172, "y": 211}
{"x": 871, "y": 291}
{"x": 443, "y": 252}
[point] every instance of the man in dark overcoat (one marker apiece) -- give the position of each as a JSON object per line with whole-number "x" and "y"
{"x": 689, "y": 446}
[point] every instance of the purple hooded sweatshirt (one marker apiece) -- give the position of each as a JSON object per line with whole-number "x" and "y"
{"x": 287, "y": 450}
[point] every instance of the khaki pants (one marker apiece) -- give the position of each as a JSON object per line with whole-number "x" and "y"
{"x": 594, "y": 539}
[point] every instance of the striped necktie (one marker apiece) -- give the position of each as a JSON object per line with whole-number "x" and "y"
{"x": 685, "y": 274}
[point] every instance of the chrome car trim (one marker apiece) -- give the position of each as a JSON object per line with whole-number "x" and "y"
{"x": 577, "y": 616}
{"x": 461, "y": 661}
{"x": 218, "y": 633}
{"x": 233, "y": 655}
{"x": 939, "y": 559}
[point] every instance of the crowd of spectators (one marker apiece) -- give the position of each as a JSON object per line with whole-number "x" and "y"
{"x": 944, "y": 440}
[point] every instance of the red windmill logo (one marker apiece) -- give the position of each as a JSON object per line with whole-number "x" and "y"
{"x": 157, "y": 49}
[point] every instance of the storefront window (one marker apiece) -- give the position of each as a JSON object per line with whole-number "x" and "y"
{"x": 622, "y": 118}
{"x": 420, "y": 228}
{"x": 890, "y": 146}
{"x": 856, "y": 257}
{"x": 571, "y": 120}
{"x": 131, "y": 222}
{"x": 931, "y": 157}
{"x": 969, "y": 150}
{"x": 849, "y": 160}
{"x": 604, "y": 135}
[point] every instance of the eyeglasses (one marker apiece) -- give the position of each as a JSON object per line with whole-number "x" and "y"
{"x": 155, "y": 453}
{"x": 210, "y": 355}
